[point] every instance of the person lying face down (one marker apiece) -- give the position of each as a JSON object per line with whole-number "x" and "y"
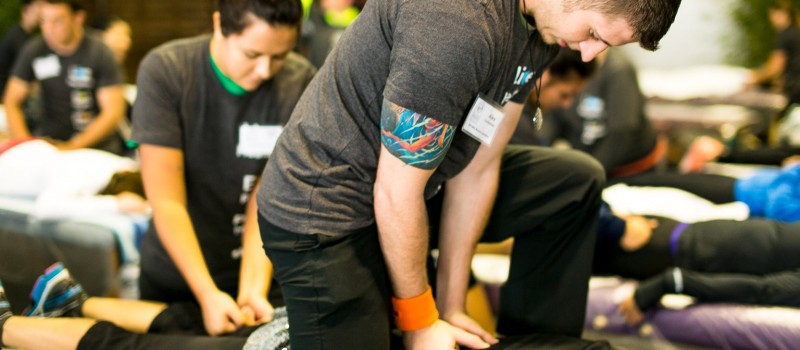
{"x": 73, "y": 183}
{"x": 750, "y": 262}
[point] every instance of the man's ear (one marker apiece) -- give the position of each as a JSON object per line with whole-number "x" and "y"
{"x": 80, "y": 17}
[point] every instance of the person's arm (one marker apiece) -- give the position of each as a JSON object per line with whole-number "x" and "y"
{"x": 404, "y": 168}
{"x": 773, "y": 68}
{"x": 17, "y": 91}
{"x": 256, "y": 269}
{"x": 112, "y": 109}
{"x": 163, "y": 177}
{"x": 469, "y": 198}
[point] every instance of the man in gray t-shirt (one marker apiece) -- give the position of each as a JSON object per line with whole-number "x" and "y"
{"x": 81, "y": 83}
{"x": 413, "y": 108}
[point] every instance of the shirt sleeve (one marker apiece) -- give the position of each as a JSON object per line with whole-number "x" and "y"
{"x": 437, "y": 61}
{"x": 109, "y": 72}
{"x": 23, "y": 66}
{"x": 156, "y": 118}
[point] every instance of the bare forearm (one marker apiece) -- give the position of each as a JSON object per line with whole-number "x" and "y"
{"x": 468, "y": 202}
{"x": 256, "y": 270}
{"x": 177, "y": 235}
{"x": 16, "y": 92}
{"x": 403, "y": 233}
{"x": 16, "y": 121}
{"x": 101, "y": 128}
{"x": 112, "y": 110}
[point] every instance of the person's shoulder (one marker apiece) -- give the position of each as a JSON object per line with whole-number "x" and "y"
{"x": 189, "y": 44}
{"x": 296, "y": 64}
{"x": 179, "y": 53}
{"x": 36, "y": 44}
{"x": 95, "y": 44}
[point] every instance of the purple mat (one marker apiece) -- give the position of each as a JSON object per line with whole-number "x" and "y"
{"x": 726, "y": 326}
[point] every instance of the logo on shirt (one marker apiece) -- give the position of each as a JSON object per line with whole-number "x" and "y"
{"x": 591, "y": 109}
{"x": 522, "y": 77}
{"x": 79, "y": 77}
{"x": 81, "y": 100}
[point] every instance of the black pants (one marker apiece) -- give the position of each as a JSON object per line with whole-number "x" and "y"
{"x": 548, "y": 200}
{"x": 715, "y": 188}
{"x": 753, "y": 261}
{"x": 763, "y": 156}
{"x": 179, "y": 326}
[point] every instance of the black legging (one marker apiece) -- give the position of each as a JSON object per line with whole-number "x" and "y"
{"x": 762, "y": 156}
{"x": 753, "y": 261}
{"x": 754, "y": 246}
{"x": 715, "y": 188}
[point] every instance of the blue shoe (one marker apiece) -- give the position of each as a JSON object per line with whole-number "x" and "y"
{"x": 5, "y": 307}
{"x": 56, "y": 294}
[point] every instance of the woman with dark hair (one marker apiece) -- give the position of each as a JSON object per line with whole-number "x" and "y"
{"x": 206, "y": 116}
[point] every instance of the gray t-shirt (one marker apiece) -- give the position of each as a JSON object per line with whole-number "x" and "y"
{"x": 225, "y": 142}
{"x": 69, "y": 86}
{"x": 430, "y": 56}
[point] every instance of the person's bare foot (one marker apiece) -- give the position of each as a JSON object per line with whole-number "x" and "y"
{"x": 629, "y": 311}
{"x": 702, "y": 150}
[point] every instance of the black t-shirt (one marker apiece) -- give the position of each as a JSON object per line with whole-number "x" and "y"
{"x": 225, "y": 140}
{"x": 10, "y": 46}
{"x": 430, "y": 56}
{"x": 788, "y": 41}
{"x": 69, "y": 86}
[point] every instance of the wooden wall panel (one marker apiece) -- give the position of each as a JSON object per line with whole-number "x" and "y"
{"x": 154, "y": 22}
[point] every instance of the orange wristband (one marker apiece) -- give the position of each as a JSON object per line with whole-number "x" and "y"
{"x": 415, "y": 313}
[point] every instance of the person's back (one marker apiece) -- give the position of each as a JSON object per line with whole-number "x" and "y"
{"x": 63, "y": 184}
{"x": 334, "y": 129}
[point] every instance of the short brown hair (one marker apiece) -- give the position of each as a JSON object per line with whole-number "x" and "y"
{"x": 74, "y": 5}
{"x": 235, "y": 14}
{"x": 650, "y": 19}
{"x": 124, "y": 181}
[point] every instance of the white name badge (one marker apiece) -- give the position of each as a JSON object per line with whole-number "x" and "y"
{"x": 483, "y": 120}
{"x": 46, "y": 67}
{"x": 257, "y": 141}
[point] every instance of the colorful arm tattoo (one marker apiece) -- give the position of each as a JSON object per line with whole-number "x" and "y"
{"x": 415, "y": 139}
